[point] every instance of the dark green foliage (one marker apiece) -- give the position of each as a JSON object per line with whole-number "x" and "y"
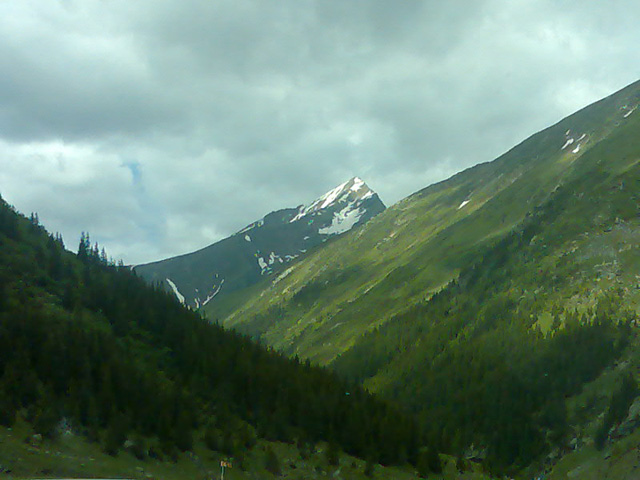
{"x": 213, "y": 439}
{"x": 46, "y": 420}
{"x": 618, "y": 409}
{"x": 271, "y": 462}
{"x": 7, "y": 411}
{"x": 332, "y": 455}
{"x": 601, "y": 435}
{"x": 115, "y": 435}
{"x": 304, "y": 448}
{"x": 427, "y": 462}
{"x": 504, "y": 384}
{"x": 86, "y": 340}
{"x": 369, "y": 467}
{"x": 183, "y": 431}
{"x": 139, "y": 447}
{"x": 622, "y": 399}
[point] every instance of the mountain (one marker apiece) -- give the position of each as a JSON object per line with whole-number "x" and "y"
{"x": 419, "y": 245}
{"x": 264, "y": 247}
{"x": 492, "y": 316}
{"x": 498, "y": 306}
{"x": 90, "y": 352}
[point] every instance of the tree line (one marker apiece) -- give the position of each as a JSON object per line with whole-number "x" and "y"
{"x": 84, "y": 340}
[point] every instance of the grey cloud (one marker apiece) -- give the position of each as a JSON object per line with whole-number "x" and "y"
{"x": 181, "y": 122}
{"x": 62, "y": 80}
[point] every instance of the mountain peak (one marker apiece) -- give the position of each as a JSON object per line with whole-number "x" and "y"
{"x": 264, "y": 246}
{"x": 353, "y": 191}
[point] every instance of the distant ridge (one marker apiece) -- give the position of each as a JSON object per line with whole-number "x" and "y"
{"x": 263, "y": 247}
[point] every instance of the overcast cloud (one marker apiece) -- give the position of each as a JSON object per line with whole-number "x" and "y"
{"x": 162, "y": 126}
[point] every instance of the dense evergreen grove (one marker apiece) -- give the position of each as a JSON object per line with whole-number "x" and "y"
{"x": 501, "y": 384}
{"x": 84, "y": 340}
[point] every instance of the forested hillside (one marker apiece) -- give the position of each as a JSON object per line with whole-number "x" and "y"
{"x": 490, "y": 303}
{"x": 85, "y": 343}
{"x": 539, "y": 314}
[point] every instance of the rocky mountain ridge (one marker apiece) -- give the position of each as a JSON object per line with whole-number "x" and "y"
{"x": 263, "y": 247}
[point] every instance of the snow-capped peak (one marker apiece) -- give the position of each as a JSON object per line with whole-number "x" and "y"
{"x": 353, "y": 190}
{"x": 357, "y": 184}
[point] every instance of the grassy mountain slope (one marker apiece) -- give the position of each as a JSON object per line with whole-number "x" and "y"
{"x": 577, "y": 246}
{"x": 319, "y": 307}
{"x": 488, "y": 303}
{"x": 547, "y": 309}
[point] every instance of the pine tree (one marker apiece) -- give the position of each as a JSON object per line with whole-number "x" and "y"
{"x": 84, "y": 247}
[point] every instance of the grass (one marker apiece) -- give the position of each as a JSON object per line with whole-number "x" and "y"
{"x": 72, "y": 456}
{"x": 620, "y": 461}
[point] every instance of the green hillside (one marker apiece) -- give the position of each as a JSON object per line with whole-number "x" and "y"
{"x": 490, "y": 303}
{"x": 88, "y": 350}
{"x": 320, "y": 306}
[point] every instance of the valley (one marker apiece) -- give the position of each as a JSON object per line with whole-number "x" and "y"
{"x": 319, "y": 240}
{"x": 485, "y": 326}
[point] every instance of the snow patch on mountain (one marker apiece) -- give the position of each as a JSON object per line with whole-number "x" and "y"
{"x": 264, "y": 267}
{"x": 281, "y": 240}
{"x": 357, "y": 184}
{"x": 330, "y": 197}
{"x": 626, "y": 115}
{"x": 273, "y": 258}
{"x": 323, "y": 202}
{"x": 576, "y": 150}
{"x": 345, "y": 192}
{"x": 567, "y": 143}
{"x": 369, "y": 194}
{"x": 463, "y": 204}
{"x": 176, "y": 292}
{"x": 343, "y": 221}
{"x": 251, "y": 226}
{"x": 215, "y": 292}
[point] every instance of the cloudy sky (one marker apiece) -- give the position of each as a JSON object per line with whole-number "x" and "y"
{"x": 162, "y": 126}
